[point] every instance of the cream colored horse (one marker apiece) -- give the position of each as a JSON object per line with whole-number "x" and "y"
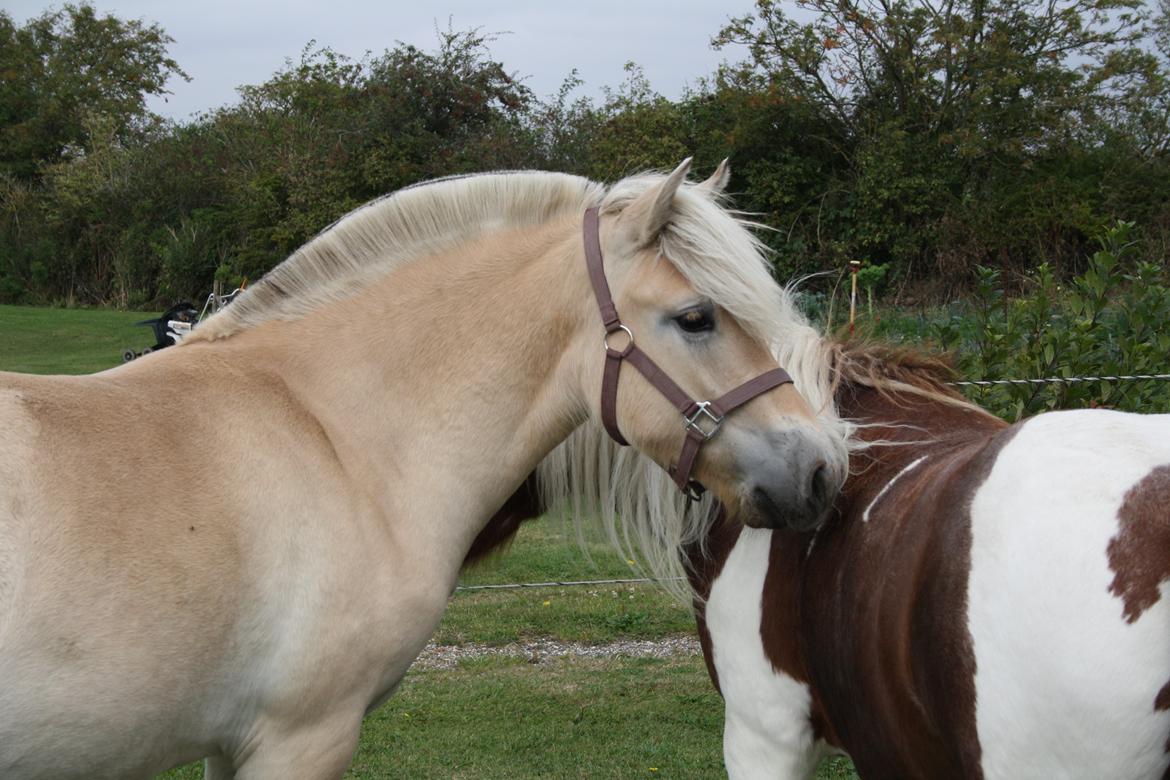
{"x": 243, "y": 572}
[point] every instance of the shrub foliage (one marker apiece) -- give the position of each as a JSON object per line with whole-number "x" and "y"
{"x": 927, "y": 139}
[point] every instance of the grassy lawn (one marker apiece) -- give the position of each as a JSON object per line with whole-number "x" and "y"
{"x": 492, "y": 717}
{"x": 546, "y": 551}
{"x": 68, "y": 341}
{"x": 564, "y": 718}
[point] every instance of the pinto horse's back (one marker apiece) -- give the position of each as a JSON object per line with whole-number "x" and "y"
{"x": 1070, "y": 557}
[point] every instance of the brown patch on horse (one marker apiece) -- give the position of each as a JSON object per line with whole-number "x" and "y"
{"x": 1162, "y": 700}
{"x": 953, "y": 695}
{"x": 881, "y": 599}
{"x": 1139, "y": 555}
{"x": 780, "y": 629}
{"x": 499, "y": 532}
{"x": 705, "y": 563}
{"x": 1162, "y": 703}
{"x": 780, "y": 607}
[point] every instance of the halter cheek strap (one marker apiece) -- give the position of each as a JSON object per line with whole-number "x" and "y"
{"x": 701, "y": 419}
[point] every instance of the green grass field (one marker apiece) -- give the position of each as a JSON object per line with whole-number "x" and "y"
{"x": 68, "y": 341}
{"x": 492, "y": 716}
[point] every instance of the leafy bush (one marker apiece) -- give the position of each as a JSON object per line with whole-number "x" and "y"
{"x": 1109, "y": 320}
{"x": 927, "y": 141}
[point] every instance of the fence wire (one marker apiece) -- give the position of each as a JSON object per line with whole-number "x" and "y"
{"x": 568, "y": 583}
{"x": 1060, "y": 380}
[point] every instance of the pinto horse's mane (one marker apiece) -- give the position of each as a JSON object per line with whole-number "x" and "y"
{"x": 895, "y": 369}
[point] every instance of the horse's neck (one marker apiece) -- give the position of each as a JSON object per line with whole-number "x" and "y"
{"x": 909, "y": 417}
{"x": 901, "y": 429}
{"x": 441, "y": 386}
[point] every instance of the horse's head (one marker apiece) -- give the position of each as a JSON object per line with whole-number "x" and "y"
{"x": 694, "y": 294}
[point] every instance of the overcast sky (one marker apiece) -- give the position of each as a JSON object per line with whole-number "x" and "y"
{"x": 222, "y": 44}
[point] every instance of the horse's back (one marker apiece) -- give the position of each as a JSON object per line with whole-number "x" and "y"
{"x": 129, "y": 552}
{"x": 1070, "y": 554}
{"x": 76, "y": 497}
{"x": 18, "y": 427}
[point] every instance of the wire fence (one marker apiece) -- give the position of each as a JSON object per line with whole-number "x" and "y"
{"x": 1059, "y": 380}
{"x": 567, "y": 583}
{"x": 1051, "y": 380}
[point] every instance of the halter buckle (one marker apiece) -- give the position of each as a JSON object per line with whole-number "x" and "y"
{"x": 705, "y": 428}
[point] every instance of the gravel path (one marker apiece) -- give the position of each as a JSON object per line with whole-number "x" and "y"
{"x": 540, "y": 650}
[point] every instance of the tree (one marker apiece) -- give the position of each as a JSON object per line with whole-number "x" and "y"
{"x": 1013, "y": 69}
{"x": 956, "y": 112}
{"x": 327, "y": 133}
{"x": 65, "y": 68}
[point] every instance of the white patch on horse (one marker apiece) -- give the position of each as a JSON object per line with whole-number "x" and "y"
{"x": 1059, "y": 671}
{"x": 910, "y": 467}
{"x": 767, "y": 732}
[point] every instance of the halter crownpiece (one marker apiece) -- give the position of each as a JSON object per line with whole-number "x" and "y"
{"x": 701, "y": 419}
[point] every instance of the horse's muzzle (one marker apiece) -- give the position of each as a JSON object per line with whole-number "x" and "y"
{"x": 794, "y": 486}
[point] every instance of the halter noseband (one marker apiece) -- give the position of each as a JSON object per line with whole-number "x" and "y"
{"x": 701, "y": 419}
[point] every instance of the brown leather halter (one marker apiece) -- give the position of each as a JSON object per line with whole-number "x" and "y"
{"x": 701, "y": 419}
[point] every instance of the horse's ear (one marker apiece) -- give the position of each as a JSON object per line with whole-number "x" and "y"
{"x": 718, "y": 181}
{"x": 649, "y": 213}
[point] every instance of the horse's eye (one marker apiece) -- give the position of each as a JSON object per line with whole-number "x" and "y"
{"x": 696, "y": 321}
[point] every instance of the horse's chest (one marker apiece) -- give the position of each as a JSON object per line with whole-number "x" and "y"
{"x": 768, "y": 730}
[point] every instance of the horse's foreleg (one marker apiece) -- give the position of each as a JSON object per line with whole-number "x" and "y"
{"x": 218, "y": 769}
{"x": 754, "y": 751}
{"x": 318, "y": 751}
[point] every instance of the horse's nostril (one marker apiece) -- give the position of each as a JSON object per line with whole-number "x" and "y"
{"x": 820, "y": 484}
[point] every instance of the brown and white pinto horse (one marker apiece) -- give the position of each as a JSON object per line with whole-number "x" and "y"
{"x": 986, "y": 601}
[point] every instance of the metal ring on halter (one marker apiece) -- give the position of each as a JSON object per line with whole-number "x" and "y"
{"x": 624, "y": 352}
{"x": 692, "y": 422}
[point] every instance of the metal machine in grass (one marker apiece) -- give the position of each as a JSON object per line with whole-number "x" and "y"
{"x": 176, "y": 322}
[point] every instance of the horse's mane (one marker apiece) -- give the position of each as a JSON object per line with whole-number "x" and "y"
{"x": 894, "y": 369}
{"x": 406, "y": 225}
{"x": 707, "y": 243}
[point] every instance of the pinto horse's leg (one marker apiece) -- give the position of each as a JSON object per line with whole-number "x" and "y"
{"x": 767, "y": 731}
{"x": 757, "y": 751}
{"x": 318, "y": 751}
{"x": 218, "y": 769}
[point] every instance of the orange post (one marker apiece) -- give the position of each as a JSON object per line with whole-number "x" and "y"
{"x": 854, "y": 267}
